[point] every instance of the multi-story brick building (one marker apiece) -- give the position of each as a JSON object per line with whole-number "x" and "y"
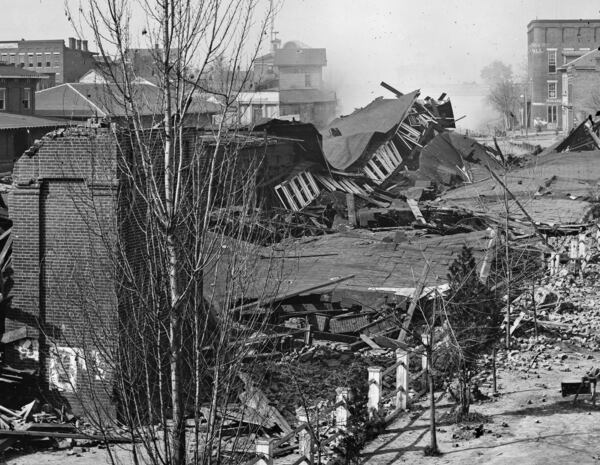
{"x": 18, "y": 126}
{"x": 551, "y": 44}
{"x": 50, "y": 57}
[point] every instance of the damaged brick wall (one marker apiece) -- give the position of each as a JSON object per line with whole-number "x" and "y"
{"x": 62, "y": 207}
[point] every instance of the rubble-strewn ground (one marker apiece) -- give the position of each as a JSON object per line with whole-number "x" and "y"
{"x": 530, "y": 422}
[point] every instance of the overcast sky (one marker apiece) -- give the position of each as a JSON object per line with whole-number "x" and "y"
{"x": 410, "y": 44}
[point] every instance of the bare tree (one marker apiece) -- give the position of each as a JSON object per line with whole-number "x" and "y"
{"x": 175, "y": 350}
{"x": 503, "y": 90}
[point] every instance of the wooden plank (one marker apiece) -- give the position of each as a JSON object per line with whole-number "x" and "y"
{"x": 413, "y": 303}
{"x": 289, "y": 295}
{"x": 414, "y": 207}
{"x": 10, "y": 434}
{"x": 370, "y": 342}
{"x": 256, "y": 400}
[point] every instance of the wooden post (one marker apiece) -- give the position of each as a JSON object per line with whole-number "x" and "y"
{"x": 374, "y": 398}
{"x": 308, "y": 334}
{"x": 425, "y": 339}
{"x": 402, "y": 379}
{"x": 573, "y": 246}
{"x": 582, "y": 249}
{"x": 264, "y": 448}
{"x": 551, "y": 264}
{"x": 556, "y": 262}
{"x": 351, "y": 209}
{"x": 305, "y": 439}
{"x": 494, "y": 384}
{"x": 342, "y": 413}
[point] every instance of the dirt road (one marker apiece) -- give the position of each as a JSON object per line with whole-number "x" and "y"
{"x": 540, "y": 426}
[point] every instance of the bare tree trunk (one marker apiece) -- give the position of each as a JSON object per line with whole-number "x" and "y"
{"x": 432, "y": 424}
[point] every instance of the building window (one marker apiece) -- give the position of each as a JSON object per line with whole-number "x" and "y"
{"x": 307, "y": 81}
{"x": 56, "y": 59}
{"x": 30, "y": 59}
{"x": 48, "y": 60}
{"x": 552, "y": 89}
{"x": 26, "y": 98}
{"x": 39, "y": 60}
{"x": 12, "y": 59}
{"x": 22, "y": 59}
{"x": 552, "y": 114}
{"x": 3, "y": 58}
{"x": 552, "y": 61}
{"x": 2, "y": 99}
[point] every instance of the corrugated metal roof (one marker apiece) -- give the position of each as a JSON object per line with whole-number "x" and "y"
{"x": 17, "y": 121}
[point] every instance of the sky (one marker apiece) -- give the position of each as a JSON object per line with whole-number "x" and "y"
{"x": 426, "y": 44}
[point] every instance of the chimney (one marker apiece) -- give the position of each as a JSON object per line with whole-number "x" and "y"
{"x": 78, "y": 44}
{"x": 72, "y": 42}
{"x": 84, "y": 45}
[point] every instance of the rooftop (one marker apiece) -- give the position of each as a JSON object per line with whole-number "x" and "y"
{"x": 293, "y": 56}
{"x": 377, "y": 264}
{"x": 84, "y": 100}
{"x": 579, "y": 22}
{"x": 359, "y": 128}
{"x": 18, "y": 121}
{"x": 553, "y": 189}
{"x": 14, "y": 72}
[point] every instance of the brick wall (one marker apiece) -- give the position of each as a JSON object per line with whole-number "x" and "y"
{"x": 63, "y": 209}
{"x": 558, "y": 35}
{"x": 584, "y": 86}
{"x": 69, "y": 202}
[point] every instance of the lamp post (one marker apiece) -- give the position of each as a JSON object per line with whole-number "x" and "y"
{"x": 524, "y": 97}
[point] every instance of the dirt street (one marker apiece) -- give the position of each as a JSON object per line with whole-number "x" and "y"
{"x": 529, "y": 423}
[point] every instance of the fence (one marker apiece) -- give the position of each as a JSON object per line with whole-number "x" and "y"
{"x": 267, "y": 449}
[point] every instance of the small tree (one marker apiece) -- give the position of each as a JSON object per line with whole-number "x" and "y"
{"x": 503, "y": 90}
{"x": 472, "y": 318}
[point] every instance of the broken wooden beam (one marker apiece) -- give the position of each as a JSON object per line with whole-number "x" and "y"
{"x": 245, "y": 309}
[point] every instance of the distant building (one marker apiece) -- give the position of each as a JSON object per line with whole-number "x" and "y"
{"x": 256, "y": 106}
{"x": 81, "y": 101}
{"x": 50, "y": 57}
{"x": 551, "y": 44}
{"x": 296, "y": 71}
{"x": 580, "y": 80}
{"x": 18, "y": 126}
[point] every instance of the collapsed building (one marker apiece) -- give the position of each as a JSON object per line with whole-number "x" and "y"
{"x": 414, "y": 195}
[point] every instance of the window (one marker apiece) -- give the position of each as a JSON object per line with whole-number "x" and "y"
{"x": 22, "y": 59}
{"x": 39, "y": 59}
{"x": 2, "y": 99}
{"x": 48, "y": 60}
{"x": 26, "y": 98}
{"x": 12, "y": 58}
{"x": 307, "y": 80}
{"x": 552, "y": 89}
{"x": 30, "y": 59}
{"x": 3, "y": 58}
{"x": 552, "y": 113}
{"x": 552, "y": 61}
{"x": 56, "y": 59}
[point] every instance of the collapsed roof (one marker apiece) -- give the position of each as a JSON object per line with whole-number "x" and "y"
{"x": 554, "y": 190}
{"x": 346, "y": 139}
